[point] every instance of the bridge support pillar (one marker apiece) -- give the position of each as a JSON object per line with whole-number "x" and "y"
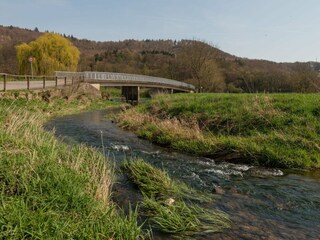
{"x": 131, "y": 94}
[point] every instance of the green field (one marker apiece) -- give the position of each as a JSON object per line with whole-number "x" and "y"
{"x": 274, "y": 130}
{"x": 50, "y": 190}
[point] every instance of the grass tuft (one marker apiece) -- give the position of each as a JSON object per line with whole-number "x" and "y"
{"x": 175, "y": 216}
{"x": 153, "y": 182}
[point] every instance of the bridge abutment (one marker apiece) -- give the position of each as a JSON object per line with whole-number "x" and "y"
{"x": 131, "y": 94}
{"x": 96, "y": 85}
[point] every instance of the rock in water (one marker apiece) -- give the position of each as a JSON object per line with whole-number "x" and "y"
{"x": 169, "y": 201}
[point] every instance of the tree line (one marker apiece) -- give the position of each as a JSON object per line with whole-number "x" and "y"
{"x": 209, "y": 69}
{"x": 195, "y": 62}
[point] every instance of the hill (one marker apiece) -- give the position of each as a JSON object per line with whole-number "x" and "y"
{"x": 199, "y": 63}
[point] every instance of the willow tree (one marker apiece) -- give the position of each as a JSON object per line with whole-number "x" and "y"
{"x": 50, "y": 52}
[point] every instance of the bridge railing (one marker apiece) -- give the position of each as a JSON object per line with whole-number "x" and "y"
{"x": 135, "y": 77}
{"x": 124, "y": 77}
{"x": 69, "y": 75}
{"x": 20, "y": 82}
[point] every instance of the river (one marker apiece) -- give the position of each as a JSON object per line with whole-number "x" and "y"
{"x": 263, "y": 203}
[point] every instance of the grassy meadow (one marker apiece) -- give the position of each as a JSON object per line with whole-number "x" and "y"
{"x": 50, "y": 190}
{"x": 273, "y": 130}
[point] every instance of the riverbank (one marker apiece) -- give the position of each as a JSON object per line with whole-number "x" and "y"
{"x": 273, "y": 130}
{"x": 50, "y": 189}
{"x": 262, "y": 203}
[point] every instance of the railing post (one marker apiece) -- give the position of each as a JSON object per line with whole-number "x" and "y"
{"x": 56, "y": 81}
{"x": 65, "y": 81}
{"x": 44, "y": 82}
{"x": 5, "y": 82}
{"x": 28, "y": 83}
{"x": 72, "y": 80}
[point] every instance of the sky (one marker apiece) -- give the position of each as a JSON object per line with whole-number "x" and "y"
{"x": 276, "y": 30}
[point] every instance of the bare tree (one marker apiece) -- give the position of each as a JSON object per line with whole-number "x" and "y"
{"x": 304, "y": 78}
{"x": 199, "y": 60}
{"x": 212, "y": 79}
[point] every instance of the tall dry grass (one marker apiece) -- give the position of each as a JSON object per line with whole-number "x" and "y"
{"x": 273, "y": 130}
{"x": 26, "y": 129}
{"x": 50, "y": 190}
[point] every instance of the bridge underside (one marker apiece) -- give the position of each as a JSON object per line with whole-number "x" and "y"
{"x": 130, "y": 93}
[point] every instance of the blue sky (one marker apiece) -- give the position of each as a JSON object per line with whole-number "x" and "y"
{"x": 277, "y": 30}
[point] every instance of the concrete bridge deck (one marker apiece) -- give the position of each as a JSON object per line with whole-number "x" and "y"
{"x": 124, "y": 79}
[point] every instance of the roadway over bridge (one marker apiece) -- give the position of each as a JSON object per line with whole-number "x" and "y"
{"x": 130, "y": 83}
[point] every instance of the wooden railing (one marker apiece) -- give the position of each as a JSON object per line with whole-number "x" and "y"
{"x": 15, "y": 82}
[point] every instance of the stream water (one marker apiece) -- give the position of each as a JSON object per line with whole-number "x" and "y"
{"x": 262, "y": 203}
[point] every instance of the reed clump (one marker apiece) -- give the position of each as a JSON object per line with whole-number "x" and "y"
{"x": 169, "y": 205}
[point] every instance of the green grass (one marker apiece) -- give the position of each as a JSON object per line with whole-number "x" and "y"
{"x": 115, "y": 92}
{"x": 274, "y": 130}
{"x": 111, "y": 92}
{"x": 50, "y": 190}
{"x": 151, "y": 181}
{"x": 182, "y": 217}
{"x": 55, "y": 107}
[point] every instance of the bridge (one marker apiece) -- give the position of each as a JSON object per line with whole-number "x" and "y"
{"x": 129, "y": 83}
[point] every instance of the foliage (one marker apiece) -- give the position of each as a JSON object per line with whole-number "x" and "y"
{"x": 110, "y": 92}
{"x": 275, "y": 130}
{"x": 50, "y": 52}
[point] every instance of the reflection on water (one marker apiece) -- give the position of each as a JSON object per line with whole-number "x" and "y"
{"x": 263, "y": 203}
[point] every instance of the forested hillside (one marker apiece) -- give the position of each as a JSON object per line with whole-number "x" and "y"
{"x": 201, "y": 64}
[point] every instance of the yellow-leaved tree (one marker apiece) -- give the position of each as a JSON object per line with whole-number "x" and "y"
{"x": 50, "y": 52}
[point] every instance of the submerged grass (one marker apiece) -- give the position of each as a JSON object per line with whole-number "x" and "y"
{"x": 165, "y": 204}
{"x": 151, "y": 181}
{"x": 50, "y": 190}
{"x": 274, "y": 130}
